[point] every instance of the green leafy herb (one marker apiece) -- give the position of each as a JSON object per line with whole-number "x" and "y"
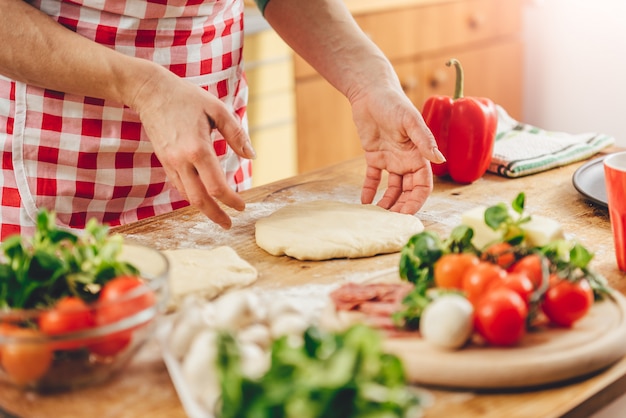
{"x": 419, "y": 255}
{"x": 55, "y": 263}
{"x": 421, "y": 252}
{"x": 413, "y": 306}
{"x": 499, "y": 218}
{"x": 417, "y": 263}
{"x": 340, "y": 375}
{"x": 570, "y": 260}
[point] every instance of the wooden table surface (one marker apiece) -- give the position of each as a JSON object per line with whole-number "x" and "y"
{"x": 145, "y": 390}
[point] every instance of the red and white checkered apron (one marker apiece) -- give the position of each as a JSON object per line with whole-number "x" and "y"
{"x": 85, "y": 157}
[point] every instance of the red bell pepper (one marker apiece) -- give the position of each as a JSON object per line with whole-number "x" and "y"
{"x": 465, "y": 131}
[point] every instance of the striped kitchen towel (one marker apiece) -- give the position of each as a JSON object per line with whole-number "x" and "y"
{"x": 522, "y": 149}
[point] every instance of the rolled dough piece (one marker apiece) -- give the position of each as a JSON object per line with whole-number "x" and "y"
{"x": 323, "y": 229}
{"x": 207, "y": 273}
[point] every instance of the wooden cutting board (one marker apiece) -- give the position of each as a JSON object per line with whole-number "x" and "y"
{"x": 554, "y": 355}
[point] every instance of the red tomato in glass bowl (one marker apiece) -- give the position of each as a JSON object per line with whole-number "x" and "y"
{"x": 119, "y": 299}
{"x": 566, "y": 302}
{"x": 478, "y": 280}
{"x": 500, "y": 317}
{"x": 25, "y": 360}
{"x": 69, "y": 314}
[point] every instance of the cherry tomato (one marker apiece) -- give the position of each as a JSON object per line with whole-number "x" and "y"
{"x": 70, "y": 314}
{"x": 530, "y": 265}
{"x": 111, "y": 344}
{"x": 520, "y": 283}
{"x": 478, "y": 279}
{"x": 501, "y": 253}
{"x": 115, "y": 304}
{"x": 566, "y": 302}
{"x": 25, "y": 361}
{"x": 500, "y": 317}
{"x": 5, "y": 330}
{"x": 449, "y": 269}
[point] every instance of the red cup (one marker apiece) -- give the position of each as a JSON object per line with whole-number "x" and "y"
{"x": 615, "y": 181}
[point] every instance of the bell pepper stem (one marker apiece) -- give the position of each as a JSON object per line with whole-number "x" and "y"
{"x": 458, "y": 87}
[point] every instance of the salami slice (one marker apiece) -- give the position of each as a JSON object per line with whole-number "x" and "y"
{"x": 376, "y": 301}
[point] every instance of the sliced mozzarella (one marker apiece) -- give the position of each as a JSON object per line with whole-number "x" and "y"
{"x": 483, "y": 234}
{"x": 540, "y": 230}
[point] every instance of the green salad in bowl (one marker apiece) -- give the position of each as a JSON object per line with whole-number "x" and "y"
{"x": 75, "y": 307}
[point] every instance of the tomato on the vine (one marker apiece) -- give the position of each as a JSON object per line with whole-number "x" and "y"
{"x": 500, "y": 317}
{"x": 449, "y": 269}
{"x": 519, "y": 283}
{"x": 114, "y": 304}
{"x": 531, "y": 266}
{"x": 69, "y": 314}
{"x": 566, "y": 302}
{"x": 501, "y": 253}
{"x": 27, "y": 360}
{"x": 478, "y": 279}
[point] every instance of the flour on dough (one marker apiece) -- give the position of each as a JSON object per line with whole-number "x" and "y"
{"x": 322, "y": 230}
{"x": 207, "y": 272}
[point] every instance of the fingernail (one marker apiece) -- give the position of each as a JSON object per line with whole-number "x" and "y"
{"x": 249, "y": 150}
{"x": 439, "y": 155}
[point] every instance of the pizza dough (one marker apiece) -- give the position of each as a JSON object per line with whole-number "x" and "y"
{"x": 322, "y": 230}
{"x": 207, "y": 273}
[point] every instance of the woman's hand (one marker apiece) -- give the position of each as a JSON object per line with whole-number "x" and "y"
{"x": 395, "y": 139}
{"x": 392, "y": 131}
{"x": 178, "y": 118}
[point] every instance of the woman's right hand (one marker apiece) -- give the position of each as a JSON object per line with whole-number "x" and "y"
{"x": 178, "y": 118}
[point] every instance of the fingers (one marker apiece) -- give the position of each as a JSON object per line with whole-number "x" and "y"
{"x": 412, "y": 197}
{"x": 203, "y": 187}
{"x": 234, "y": 134}
{"x": 423, "y": 138}
{"x": 195, "y": 171}
{"x": 407, "y": 193}
{"x": 416, "y": 188}
{"x": 215, "y": 186}
{"x": 208, "y": 207}
{"x": 201, "y": 175}
{"x": 370, "y": 185}
{"x": 393, "y": 192}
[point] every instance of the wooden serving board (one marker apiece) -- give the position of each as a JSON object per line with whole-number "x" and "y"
{"x": 548, "y": 356}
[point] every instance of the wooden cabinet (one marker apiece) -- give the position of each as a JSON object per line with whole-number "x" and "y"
{"x": 271, "y": 106}
{"x": 418, "y": 38}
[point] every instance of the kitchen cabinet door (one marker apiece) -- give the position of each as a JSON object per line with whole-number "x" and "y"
{"x": 493, "y": 71}
{"x": 325, "y": 130}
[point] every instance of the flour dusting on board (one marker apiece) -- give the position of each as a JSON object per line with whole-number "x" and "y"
{"x": 197, "y": 231}
{"x": 310, "y": 299}
{"x": 200, "y": 232}
{"x": 315, "y": 190}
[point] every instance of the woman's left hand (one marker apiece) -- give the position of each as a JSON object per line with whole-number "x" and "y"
{"x": 395, "y": 139}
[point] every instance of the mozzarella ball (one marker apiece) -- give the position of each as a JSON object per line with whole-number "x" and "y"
{"x": 448, "y": 321}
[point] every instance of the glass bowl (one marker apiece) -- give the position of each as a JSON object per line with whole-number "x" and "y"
{"x": 32, "y": 360}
